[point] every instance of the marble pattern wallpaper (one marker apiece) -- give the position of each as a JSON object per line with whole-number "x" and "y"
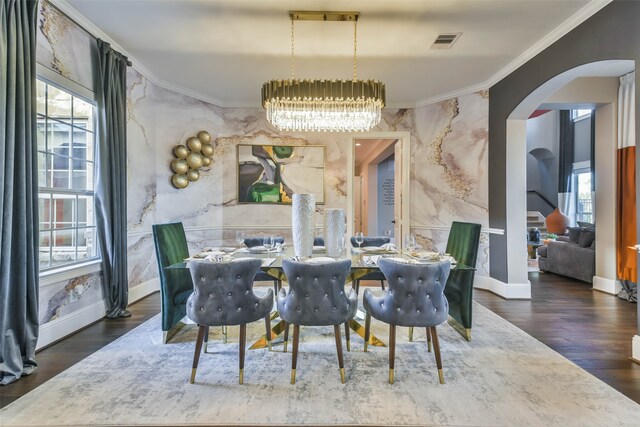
{"x": 448, "y": 168}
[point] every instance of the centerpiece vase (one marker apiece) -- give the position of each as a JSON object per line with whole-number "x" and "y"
{"x": 557, "y": 222}
{"x": 334, "y": 230}
{"x": 303, "y": 222}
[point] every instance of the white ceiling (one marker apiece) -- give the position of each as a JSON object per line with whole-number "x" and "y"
{"x": 222, "y": 51}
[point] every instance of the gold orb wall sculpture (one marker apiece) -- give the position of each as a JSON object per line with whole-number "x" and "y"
{"x": 190, "y": 158}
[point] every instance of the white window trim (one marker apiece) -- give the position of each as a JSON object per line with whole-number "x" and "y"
{"x": 69, "y": 272}
{"x": 64, "y": 83}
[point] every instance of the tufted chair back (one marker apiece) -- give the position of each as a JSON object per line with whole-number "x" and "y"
{"x": 316, "y": 294}
{"x": 463, "y": 242}
{"x": 415, "y": 296}
{"x": 259, "y": 241}
{"x": 223, "y": 293}
{"x": 371, "y": 241}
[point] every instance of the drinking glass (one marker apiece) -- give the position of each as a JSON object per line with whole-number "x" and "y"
{"x": 240, "y": 238}
{"x": 410, "y": 242}
{"x": 269, "y": 243}
{"x": 359, "y": 239}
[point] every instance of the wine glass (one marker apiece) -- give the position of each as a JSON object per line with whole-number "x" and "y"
{"x": 410, "y": 242}
{"x": 359, "y": 239}
{"x": 240, "y": 238}
{"x": 269, "y": 243}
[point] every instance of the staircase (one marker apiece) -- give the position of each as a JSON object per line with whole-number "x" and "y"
{"x": 535, "y": 219}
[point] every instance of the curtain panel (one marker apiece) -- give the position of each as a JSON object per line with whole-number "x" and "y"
{"x": 626, "y": 259}
{"x": 18, "y": 190}
{"x": 111, "y": 177}
{"x": 566, "y": 201}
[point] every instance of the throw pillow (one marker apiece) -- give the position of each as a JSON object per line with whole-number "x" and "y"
{"x": 587, "y": 237}
{"x": 574, "y": 234}
{"x": 586, "y": 224}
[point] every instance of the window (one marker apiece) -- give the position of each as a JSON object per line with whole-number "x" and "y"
{"x": 65, "y": 177}
{"x": 580, "y": 114}
{"x": 584, "y": 203}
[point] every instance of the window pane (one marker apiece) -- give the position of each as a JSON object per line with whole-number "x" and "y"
{"x": 41, "y": 97}
{"x": 59, "y": 141}
{"x": 86, "y": 243}
{"x": 85, "y": 211}
{"x": 44, "y": 250}
{"x": 42, "y": 133}
{"x": 82, "y": 114}
{"x": 58, "y": 104}
{"x": 64, "y": 211}
{"x": 63, "y": 250}
{"x": 43, "y": 176}
{"x": 44, "y": 211}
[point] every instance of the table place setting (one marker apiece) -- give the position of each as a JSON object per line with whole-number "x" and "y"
{"x": 427, "y": 256}
{"x": 387, "y": 248}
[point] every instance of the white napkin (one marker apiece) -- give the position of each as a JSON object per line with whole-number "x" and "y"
{"x": 371, "y": 260}
{"x": 267, "y": 262}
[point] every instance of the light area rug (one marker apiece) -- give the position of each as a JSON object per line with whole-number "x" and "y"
{"x": 503, "y": 377}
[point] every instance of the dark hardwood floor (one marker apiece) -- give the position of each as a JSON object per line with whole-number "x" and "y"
{"x": 69, "y": 351}
{"x": 592, "y": 329}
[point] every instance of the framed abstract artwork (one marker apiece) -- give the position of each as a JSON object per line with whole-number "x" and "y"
{"x": 273, "y": 173}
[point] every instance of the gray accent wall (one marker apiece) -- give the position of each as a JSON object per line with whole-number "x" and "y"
{"x": 613, "y": 33}
{"x": 543, "y": 139}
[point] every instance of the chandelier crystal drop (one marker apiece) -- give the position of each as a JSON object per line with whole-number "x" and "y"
{"x": 323, "y": 105}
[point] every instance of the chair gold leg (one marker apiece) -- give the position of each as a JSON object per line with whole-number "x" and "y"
{"x": 367, "y": 330}
{"x": 391, "y": 376}
{"x": 468, "y": 334}
{"x": 429, "y": 339}
{"x": 441, "y": 376}
{"x": 224, "y": 334}
{"x": 410, "y": 333}
{"x": 193, "y": 375}
{"x": 342, "y": 380}
{"x": 392, "y": 351}
{"x": 436, "y": 350}
{"x": 196, "y": 353}
{"x": 241, "y": 376}
{"x": 293, "y": 376}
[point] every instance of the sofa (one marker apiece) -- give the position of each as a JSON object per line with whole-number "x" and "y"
{"x": 573, "y": 255}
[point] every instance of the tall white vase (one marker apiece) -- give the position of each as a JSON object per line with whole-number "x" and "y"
{"x": 303, "y": 223}
{"x": 334, "y": 230}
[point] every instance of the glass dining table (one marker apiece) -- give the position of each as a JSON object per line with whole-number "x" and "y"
{"x": 362, "y": 263}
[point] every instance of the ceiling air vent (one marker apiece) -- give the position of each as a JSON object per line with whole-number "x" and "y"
{"x": 445, "y": 41}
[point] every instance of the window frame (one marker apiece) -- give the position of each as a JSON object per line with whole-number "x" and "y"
{"x": 581, "y": 168}
{"x": 48, "y": 192}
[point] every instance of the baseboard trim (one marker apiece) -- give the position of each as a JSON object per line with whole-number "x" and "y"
{"x": 140, "y": 291}
{"x": 505, "y": 290}
{"x": 59, "y": 328}
{"x": 608, "y": 286}
{"x": 62, "y": 327}
{"x": 635, "y": 355}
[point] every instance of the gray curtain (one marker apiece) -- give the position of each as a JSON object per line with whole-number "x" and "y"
{"x": 566, "y": 201}
{"x": 18, "y": 190}
{"x": 111, "y": 177}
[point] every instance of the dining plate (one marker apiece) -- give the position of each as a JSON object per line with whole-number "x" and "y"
{"x": 318, "y": 249}
{"x": 258, "y": 250}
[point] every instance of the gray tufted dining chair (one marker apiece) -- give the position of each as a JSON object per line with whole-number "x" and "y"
{"x": 415, "y": 298}
{"x": 370, "y": 241}
{"x": 223, "y": 296}
{"x": 317, "y": 297}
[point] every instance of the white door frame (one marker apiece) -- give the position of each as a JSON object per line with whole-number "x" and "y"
{"x": 404, "y": 139}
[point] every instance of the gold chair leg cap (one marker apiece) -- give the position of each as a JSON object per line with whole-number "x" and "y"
{"x": 269, "y": 345}
{"x": 411, "y": 334}
{"x": 429, "y": 346}
{"x": 348, "y": 345}
{"x": 205, "y": 346}
{"x": 365, "y": 346}
{"x": 468, "y": 334}
{"x": 342, "y": 375}
{"x": 241, "y": 376}
{"x": 193, "y": 375}
{"x": 441, "y": 376}
{"x": 391, "y": 378}
{"x": 293, "y": 376}
{"x": 285, "y": 346}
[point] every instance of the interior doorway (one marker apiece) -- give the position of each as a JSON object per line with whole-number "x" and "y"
{"x": 378, "y": 183}
{"x": 374, "y": 187}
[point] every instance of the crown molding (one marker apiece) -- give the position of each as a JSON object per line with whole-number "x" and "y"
{"x": 557, "y": 33}
{"x": 138, "y": 65}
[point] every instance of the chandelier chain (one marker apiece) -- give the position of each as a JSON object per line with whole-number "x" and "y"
{"x": 293, "y": 57}
{"x": 355, "y": 50}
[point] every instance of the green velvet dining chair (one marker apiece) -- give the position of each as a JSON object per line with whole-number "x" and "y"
{"x": 463, "y": 243}
{"x": 175, "y": 285}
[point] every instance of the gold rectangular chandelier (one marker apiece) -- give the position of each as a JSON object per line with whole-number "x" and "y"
{"x": 324, "y": 105}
